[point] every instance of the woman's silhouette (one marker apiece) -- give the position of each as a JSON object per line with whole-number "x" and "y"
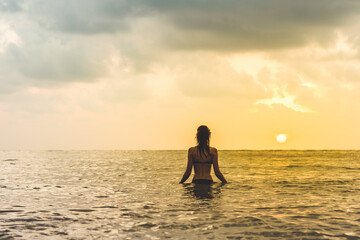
{"x": 202, "y": 156}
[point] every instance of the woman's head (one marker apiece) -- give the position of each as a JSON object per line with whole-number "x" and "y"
{"x": 203, "y": 135}
{"x": 203, "y": 139}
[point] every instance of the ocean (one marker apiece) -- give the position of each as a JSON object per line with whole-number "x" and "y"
{"x": 137, "y": 195}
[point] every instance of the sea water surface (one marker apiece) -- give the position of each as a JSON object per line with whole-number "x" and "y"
{"x": 136, "y": 195}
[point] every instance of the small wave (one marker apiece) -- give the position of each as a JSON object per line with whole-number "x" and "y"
{"x": 147, "y": 225}
{"x": 133, "y": 214}
{"x": 81, "y": 210}
{"x": 309, "y": 234}
{"x": 10, "y": 160}
{"x": 4, "y": 234}
{"x": 105, "y": 207}
{"x": 61, "y": 218}
{"x": 25, "y": 220}
{"x": 309, "y": 216}
{"x": 245, "y": 222}
{"x": 10, "y": 211}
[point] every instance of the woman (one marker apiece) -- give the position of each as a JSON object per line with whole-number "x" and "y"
{"x": 202, "y": 156}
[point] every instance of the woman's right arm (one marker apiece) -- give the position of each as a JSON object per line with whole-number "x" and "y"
{"x": 217, "y": 169}
{"x": 188, "y": 168}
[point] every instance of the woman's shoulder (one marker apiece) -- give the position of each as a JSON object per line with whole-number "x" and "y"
{"x": 191, "y": 149}
{"x": 213, "y": 150}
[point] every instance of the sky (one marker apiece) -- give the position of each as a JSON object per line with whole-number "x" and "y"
{"x": 124, "y": 74}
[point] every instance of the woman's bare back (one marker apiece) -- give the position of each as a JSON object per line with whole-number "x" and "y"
{"x": 202, "y": 162}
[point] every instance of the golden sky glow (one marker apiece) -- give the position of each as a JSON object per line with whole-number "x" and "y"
{"x": 144, "y": 74}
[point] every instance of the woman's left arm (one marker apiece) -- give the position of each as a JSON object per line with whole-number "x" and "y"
{"x": 188, "y": 168}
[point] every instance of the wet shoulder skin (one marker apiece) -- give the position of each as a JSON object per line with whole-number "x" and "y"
{"x": 202, "y": 169}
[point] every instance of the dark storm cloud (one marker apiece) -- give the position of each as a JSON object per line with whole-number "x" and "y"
{"x": 212, "y": 24}
{"x": 253, "y": 24}
{"x": 249, "y": 25}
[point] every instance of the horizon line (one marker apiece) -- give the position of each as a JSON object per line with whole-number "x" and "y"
{"x": 240, "y": 149}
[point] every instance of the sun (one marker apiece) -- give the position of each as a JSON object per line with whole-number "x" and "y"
{"x": 281, "y": 138}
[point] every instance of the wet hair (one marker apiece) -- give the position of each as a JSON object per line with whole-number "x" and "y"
{"x": 203, "y": 140}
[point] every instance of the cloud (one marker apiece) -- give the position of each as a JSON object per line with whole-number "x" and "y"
{"x": 77, "y": 44}
{"x": 7, "y": 36}
{"x": 85, "y": 16}
{"x": 227, "y": 25}
{"x": 287, "y": 101}
{"x": 255, "y": 25}
{"x": 210, "y": 76}
{"x": 72, "y": 44}
{"x": 31, "y": 56}
{"x": 10, "y": 5}
{"x": 57, "y": 61}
